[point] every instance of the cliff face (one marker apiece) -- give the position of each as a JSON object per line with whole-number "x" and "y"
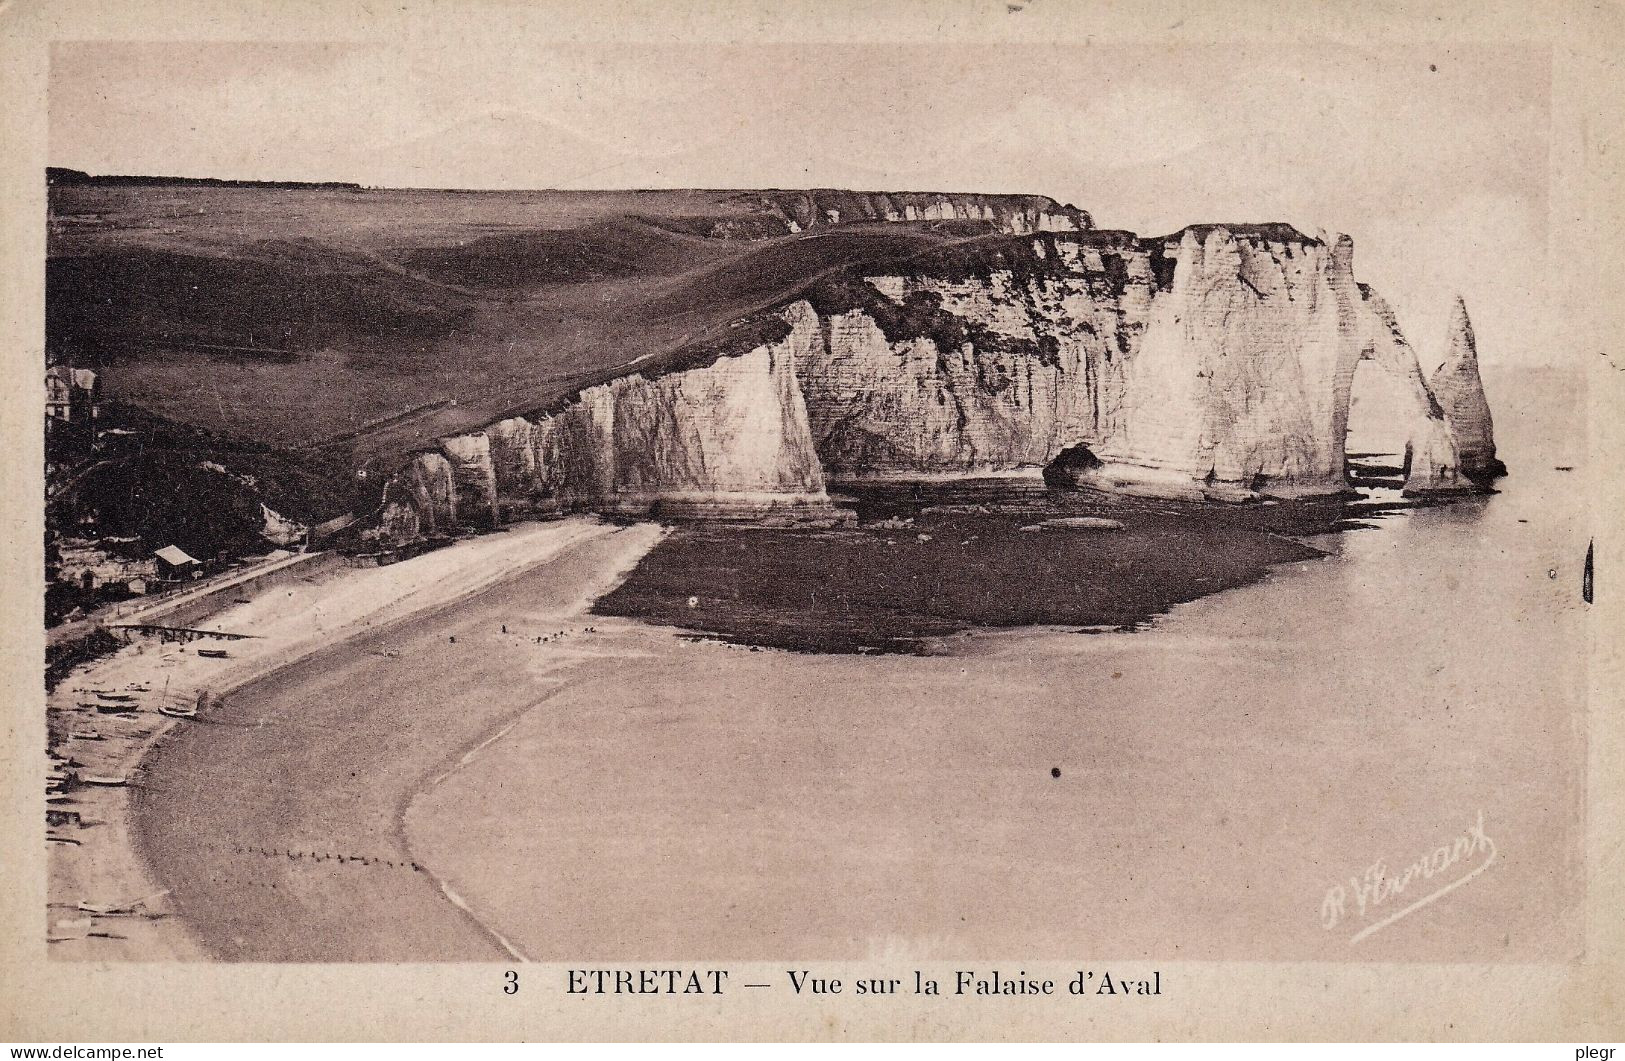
{"x": 728, "y": 439}
{"x": 1460, "y": 392}
{"x": 981, "y": 373}
{"x": 1018, "y": 214}
{"x": 1214, "y": 364}
{"x": 1241, "y": 382}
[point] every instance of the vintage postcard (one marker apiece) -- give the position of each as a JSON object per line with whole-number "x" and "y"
{"x": 784, "y": 521}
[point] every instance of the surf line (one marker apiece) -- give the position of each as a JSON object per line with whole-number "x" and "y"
{"x": 457, "y": 900}
{"x": 472, "y": 752}
{"x": 445, "y": 887}
{"x": 461, "y": 761}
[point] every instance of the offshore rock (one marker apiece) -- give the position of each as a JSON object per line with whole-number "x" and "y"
{"x": 1460, "y": 392}
{"x": 1432, "y": 459}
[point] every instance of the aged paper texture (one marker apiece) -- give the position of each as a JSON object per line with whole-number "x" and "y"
{"x": 731, "y": 520}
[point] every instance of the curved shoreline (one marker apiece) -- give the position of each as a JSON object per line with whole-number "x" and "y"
{"x": 478, "y": 938}
{"x": 608, "y": 579}
{"x": 403, "y": 808}
{"x": 298, "y": 627}
{"x": 290, "y": 845}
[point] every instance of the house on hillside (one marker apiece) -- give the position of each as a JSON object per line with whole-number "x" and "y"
{"x": 71, "y": 397}
{"x": 174, "y": 565}
{"x": 71, "y": 393}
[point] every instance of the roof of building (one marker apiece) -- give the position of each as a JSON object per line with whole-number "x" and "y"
{"x": 174, "y": 556}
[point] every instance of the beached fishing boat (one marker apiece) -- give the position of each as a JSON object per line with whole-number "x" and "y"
{"x": 112, "y": 709}
{"x": 105, "y": 780}
{"x": 213, "y": 653}
{"x": 178, "y": 712}
{"x": 85, "y": 734}
{"x": 115, "y": 697}
{"x": 110, "y": 909}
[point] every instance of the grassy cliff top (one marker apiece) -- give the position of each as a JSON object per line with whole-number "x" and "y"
{"x": 361, "y": 323}
{"x": 322, "y": 316}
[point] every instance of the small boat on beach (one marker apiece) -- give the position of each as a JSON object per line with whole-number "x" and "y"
{"x": 104, "y": 780}
{"x": 112, "y": 709}
{"x": 213, "y": 653}
{"x": 178, "y": 712}
{"x": 120, "y": 698}
{"x": 85, "y": 734}
{"x": 111, "y": 909}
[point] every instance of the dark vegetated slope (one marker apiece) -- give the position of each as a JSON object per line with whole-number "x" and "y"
{"x": 92, "y": 217}
{"x": 776, "y": 270}
{"x": 370, "y": 321}
{"x": 58, "y": 175}
{"x": 722, "y": 304}
{"x": 815, "y": 206}
{"x": 519, "y": 261}
{"x": 581, "y": 334}
{"x": 167, "y": 497}
{"x": 1268, "y": 231}
{"x": 156, "y": 483}
{"x": 272, "y": 296}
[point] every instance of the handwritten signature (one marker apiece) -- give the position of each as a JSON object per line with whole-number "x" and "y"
{"x": 1454, "y": 863}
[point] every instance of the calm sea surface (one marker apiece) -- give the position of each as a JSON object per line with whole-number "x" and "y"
{"x": 1216, "y": 786}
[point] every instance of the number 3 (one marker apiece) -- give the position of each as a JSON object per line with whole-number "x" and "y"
{"x": 510, "y": 982}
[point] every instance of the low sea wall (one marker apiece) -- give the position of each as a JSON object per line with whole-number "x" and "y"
{"x": 194, "y": 605}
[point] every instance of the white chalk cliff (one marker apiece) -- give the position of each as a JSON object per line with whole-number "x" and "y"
{"x": 726, "y": 439}
{"x": 1214, "y": 364}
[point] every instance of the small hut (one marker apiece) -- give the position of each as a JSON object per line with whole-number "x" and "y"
{"x": 175, "y": 565}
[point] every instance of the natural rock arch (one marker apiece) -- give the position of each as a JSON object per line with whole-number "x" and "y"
{"x": 1214, "y": 364}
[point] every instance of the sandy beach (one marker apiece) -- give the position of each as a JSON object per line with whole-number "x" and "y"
{"x": 482, "y": 769}
{"x": 1197, "y": 789}
{"x": 100, "y": 861}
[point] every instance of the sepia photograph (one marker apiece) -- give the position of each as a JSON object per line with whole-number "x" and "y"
{"x": 1030, "y": 510}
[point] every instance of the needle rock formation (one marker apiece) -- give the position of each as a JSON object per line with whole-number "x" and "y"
{"x": 1215, "y": 363}
{"x": 1461, "y": 396}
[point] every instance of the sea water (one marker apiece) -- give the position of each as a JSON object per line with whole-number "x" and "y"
{"x": 1377, "y": 754}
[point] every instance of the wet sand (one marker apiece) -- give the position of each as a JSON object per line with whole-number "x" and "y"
{"x": 1192, "y": 790}
{"x": 96, "y": 859}
{"x": 277, "y": 824}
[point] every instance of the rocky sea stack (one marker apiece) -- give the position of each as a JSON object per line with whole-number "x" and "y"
{"x": 736, "y": 354}
{"x": 1213, "y": 364}
{"x": 1460, "y": 392}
